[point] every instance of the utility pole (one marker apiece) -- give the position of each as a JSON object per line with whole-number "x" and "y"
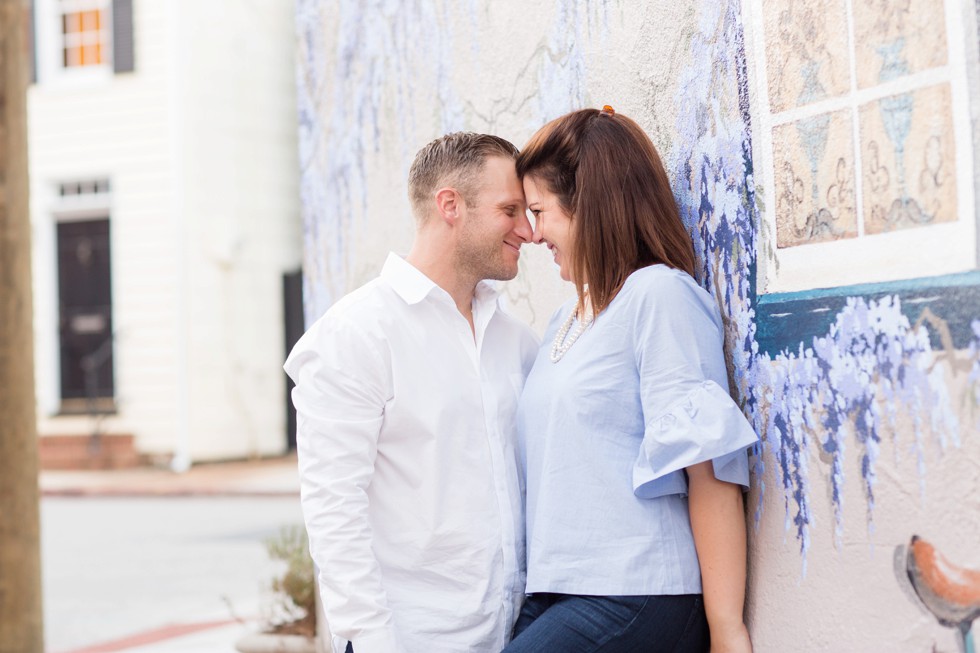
{"x": 21, "y": 628}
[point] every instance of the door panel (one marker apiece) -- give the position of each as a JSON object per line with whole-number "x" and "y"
{"x": 85, "y": 308}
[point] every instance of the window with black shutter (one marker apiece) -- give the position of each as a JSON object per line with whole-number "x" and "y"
{"x": 81, "y": 38}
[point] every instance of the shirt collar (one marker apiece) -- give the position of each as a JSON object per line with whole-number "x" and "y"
{"x": 413, "y": 286}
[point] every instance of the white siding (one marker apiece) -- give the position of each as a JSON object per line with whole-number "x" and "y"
{"x": 200, "y": 146}
{"x": 116, "y": 128}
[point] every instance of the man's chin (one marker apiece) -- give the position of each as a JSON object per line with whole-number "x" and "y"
{"x": 502, "y": 274}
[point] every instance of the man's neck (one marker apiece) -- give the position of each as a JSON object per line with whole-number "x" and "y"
{"x": 438, "y": 265}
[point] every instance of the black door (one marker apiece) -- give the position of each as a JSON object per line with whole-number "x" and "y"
{"x": 85, "y": 303}
{"x": 292, "y": 291}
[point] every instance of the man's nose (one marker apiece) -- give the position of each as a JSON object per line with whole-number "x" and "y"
{"x": 523, "y": 228}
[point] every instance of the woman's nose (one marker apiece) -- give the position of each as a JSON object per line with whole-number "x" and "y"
{"x": 524, "y": 228}
{"x": 536, "y": 235}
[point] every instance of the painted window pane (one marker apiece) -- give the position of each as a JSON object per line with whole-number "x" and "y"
{"x": 806, "y": 52}
{"x": 814, "y": 161}
{"x": 895, "y": 39}
{"x": 909, "y": 155}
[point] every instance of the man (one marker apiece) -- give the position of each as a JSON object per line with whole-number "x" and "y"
{"x": 406, "y": 392}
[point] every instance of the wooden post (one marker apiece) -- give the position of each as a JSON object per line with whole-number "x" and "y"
{"x": 21, "y": 628}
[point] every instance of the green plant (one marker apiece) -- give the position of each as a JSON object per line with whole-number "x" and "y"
{"x": 295, "y": 587}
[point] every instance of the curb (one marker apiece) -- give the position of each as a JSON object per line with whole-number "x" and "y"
{"x": 140, "y": 493}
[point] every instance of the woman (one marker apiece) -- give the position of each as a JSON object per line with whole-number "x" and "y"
{"x": 635, "y": 454}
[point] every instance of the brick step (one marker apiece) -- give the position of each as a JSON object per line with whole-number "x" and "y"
{"x": 105, "y": 451}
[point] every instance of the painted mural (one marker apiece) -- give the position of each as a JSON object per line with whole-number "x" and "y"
{"x": 950, "y": 592}
{"x": 826, "y": 378}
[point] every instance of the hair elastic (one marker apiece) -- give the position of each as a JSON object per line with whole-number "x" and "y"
{"x": 608, "y": 110}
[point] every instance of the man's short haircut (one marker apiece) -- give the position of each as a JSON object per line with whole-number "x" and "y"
{"x": 453, "y": 160}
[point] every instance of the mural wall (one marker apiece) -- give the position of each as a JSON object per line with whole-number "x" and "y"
{"x": 822, "y": 154}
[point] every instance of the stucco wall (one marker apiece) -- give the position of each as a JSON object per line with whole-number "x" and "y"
{"x": 822, "y": 154}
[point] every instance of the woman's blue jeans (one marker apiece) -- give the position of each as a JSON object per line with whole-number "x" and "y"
{"x": 550, "y": 623}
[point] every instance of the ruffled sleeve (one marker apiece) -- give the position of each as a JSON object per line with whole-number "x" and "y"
{"x": 689, "y": 416}
{"x": 705, "y": 425}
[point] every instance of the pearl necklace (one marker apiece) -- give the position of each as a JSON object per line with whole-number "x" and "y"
{"x": 563, "y": 340}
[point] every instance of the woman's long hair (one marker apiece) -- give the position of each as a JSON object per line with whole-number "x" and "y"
{"x": 608, "y": 177}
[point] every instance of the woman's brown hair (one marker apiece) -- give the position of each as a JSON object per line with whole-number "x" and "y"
{"x": 608, "y": 177}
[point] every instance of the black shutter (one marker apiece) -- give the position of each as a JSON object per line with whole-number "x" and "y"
{"x": 122, "y": 36}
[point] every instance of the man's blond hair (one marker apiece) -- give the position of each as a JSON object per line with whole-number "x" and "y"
{"x": 454, "y": 160}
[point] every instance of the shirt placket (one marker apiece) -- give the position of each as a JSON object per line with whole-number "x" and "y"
{"x": 503, "y": 492}
{"x": 472, "y": 342}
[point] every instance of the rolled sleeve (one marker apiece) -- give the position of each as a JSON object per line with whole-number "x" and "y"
{"x": 689, "y": 416}
{"x": 340, "y": 394}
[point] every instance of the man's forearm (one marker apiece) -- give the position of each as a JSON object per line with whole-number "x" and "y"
{"x": 718, "y": 524}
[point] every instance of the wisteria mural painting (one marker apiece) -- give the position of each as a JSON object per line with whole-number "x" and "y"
{"x": 816, "y": 395}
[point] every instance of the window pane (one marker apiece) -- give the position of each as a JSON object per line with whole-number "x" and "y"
{"x": 90, "y": 55}
{"x": 90, "y": 21}
{"x": 73, "y": 57}
{"x": 72, "y": 23}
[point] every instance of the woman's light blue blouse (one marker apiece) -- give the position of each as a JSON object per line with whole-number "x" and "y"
{"x": 606, "y": 432}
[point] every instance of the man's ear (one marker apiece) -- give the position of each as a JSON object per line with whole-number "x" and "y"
{"x": 449, "y": 204}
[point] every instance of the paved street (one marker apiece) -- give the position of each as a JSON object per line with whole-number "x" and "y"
{"x": 160, "y": 572}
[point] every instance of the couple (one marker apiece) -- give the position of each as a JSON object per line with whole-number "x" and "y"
{"x": 433, "y": 431}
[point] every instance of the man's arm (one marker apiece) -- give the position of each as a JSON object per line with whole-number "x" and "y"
{"x": 341, "y": 390}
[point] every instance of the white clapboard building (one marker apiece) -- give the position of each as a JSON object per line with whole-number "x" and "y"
{"x": 166, "y": 232}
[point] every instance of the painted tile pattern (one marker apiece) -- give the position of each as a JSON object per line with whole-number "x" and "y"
{"x": 814, "y": 163}
{"x": 893, "y": 38}
{"x": 807, "y": 51}
{"x": 908, "y": 153}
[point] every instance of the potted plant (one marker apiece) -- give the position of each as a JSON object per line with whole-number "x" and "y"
{"x": 292, "y": 612}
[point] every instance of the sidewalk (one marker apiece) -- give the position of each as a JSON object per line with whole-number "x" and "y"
{"x": 261, "y": 477}
{"x": 211, "y": 632}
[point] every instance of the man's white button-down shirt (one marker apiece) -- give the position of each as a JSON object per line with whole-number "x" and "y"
{"x": 409, "y": 476}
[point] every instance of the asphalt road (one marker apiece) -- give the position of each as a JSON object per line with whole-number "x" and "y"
{"x": 115, "y": 567}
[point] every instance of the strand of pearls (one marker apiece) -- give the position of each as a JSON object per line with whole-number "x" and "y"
{"x": 564, "y": 340}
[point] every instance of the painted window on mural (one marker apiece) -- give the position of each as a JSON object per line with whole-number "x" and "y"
{"x": 867, "y": 131}
{"x": 84, "y": 33}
